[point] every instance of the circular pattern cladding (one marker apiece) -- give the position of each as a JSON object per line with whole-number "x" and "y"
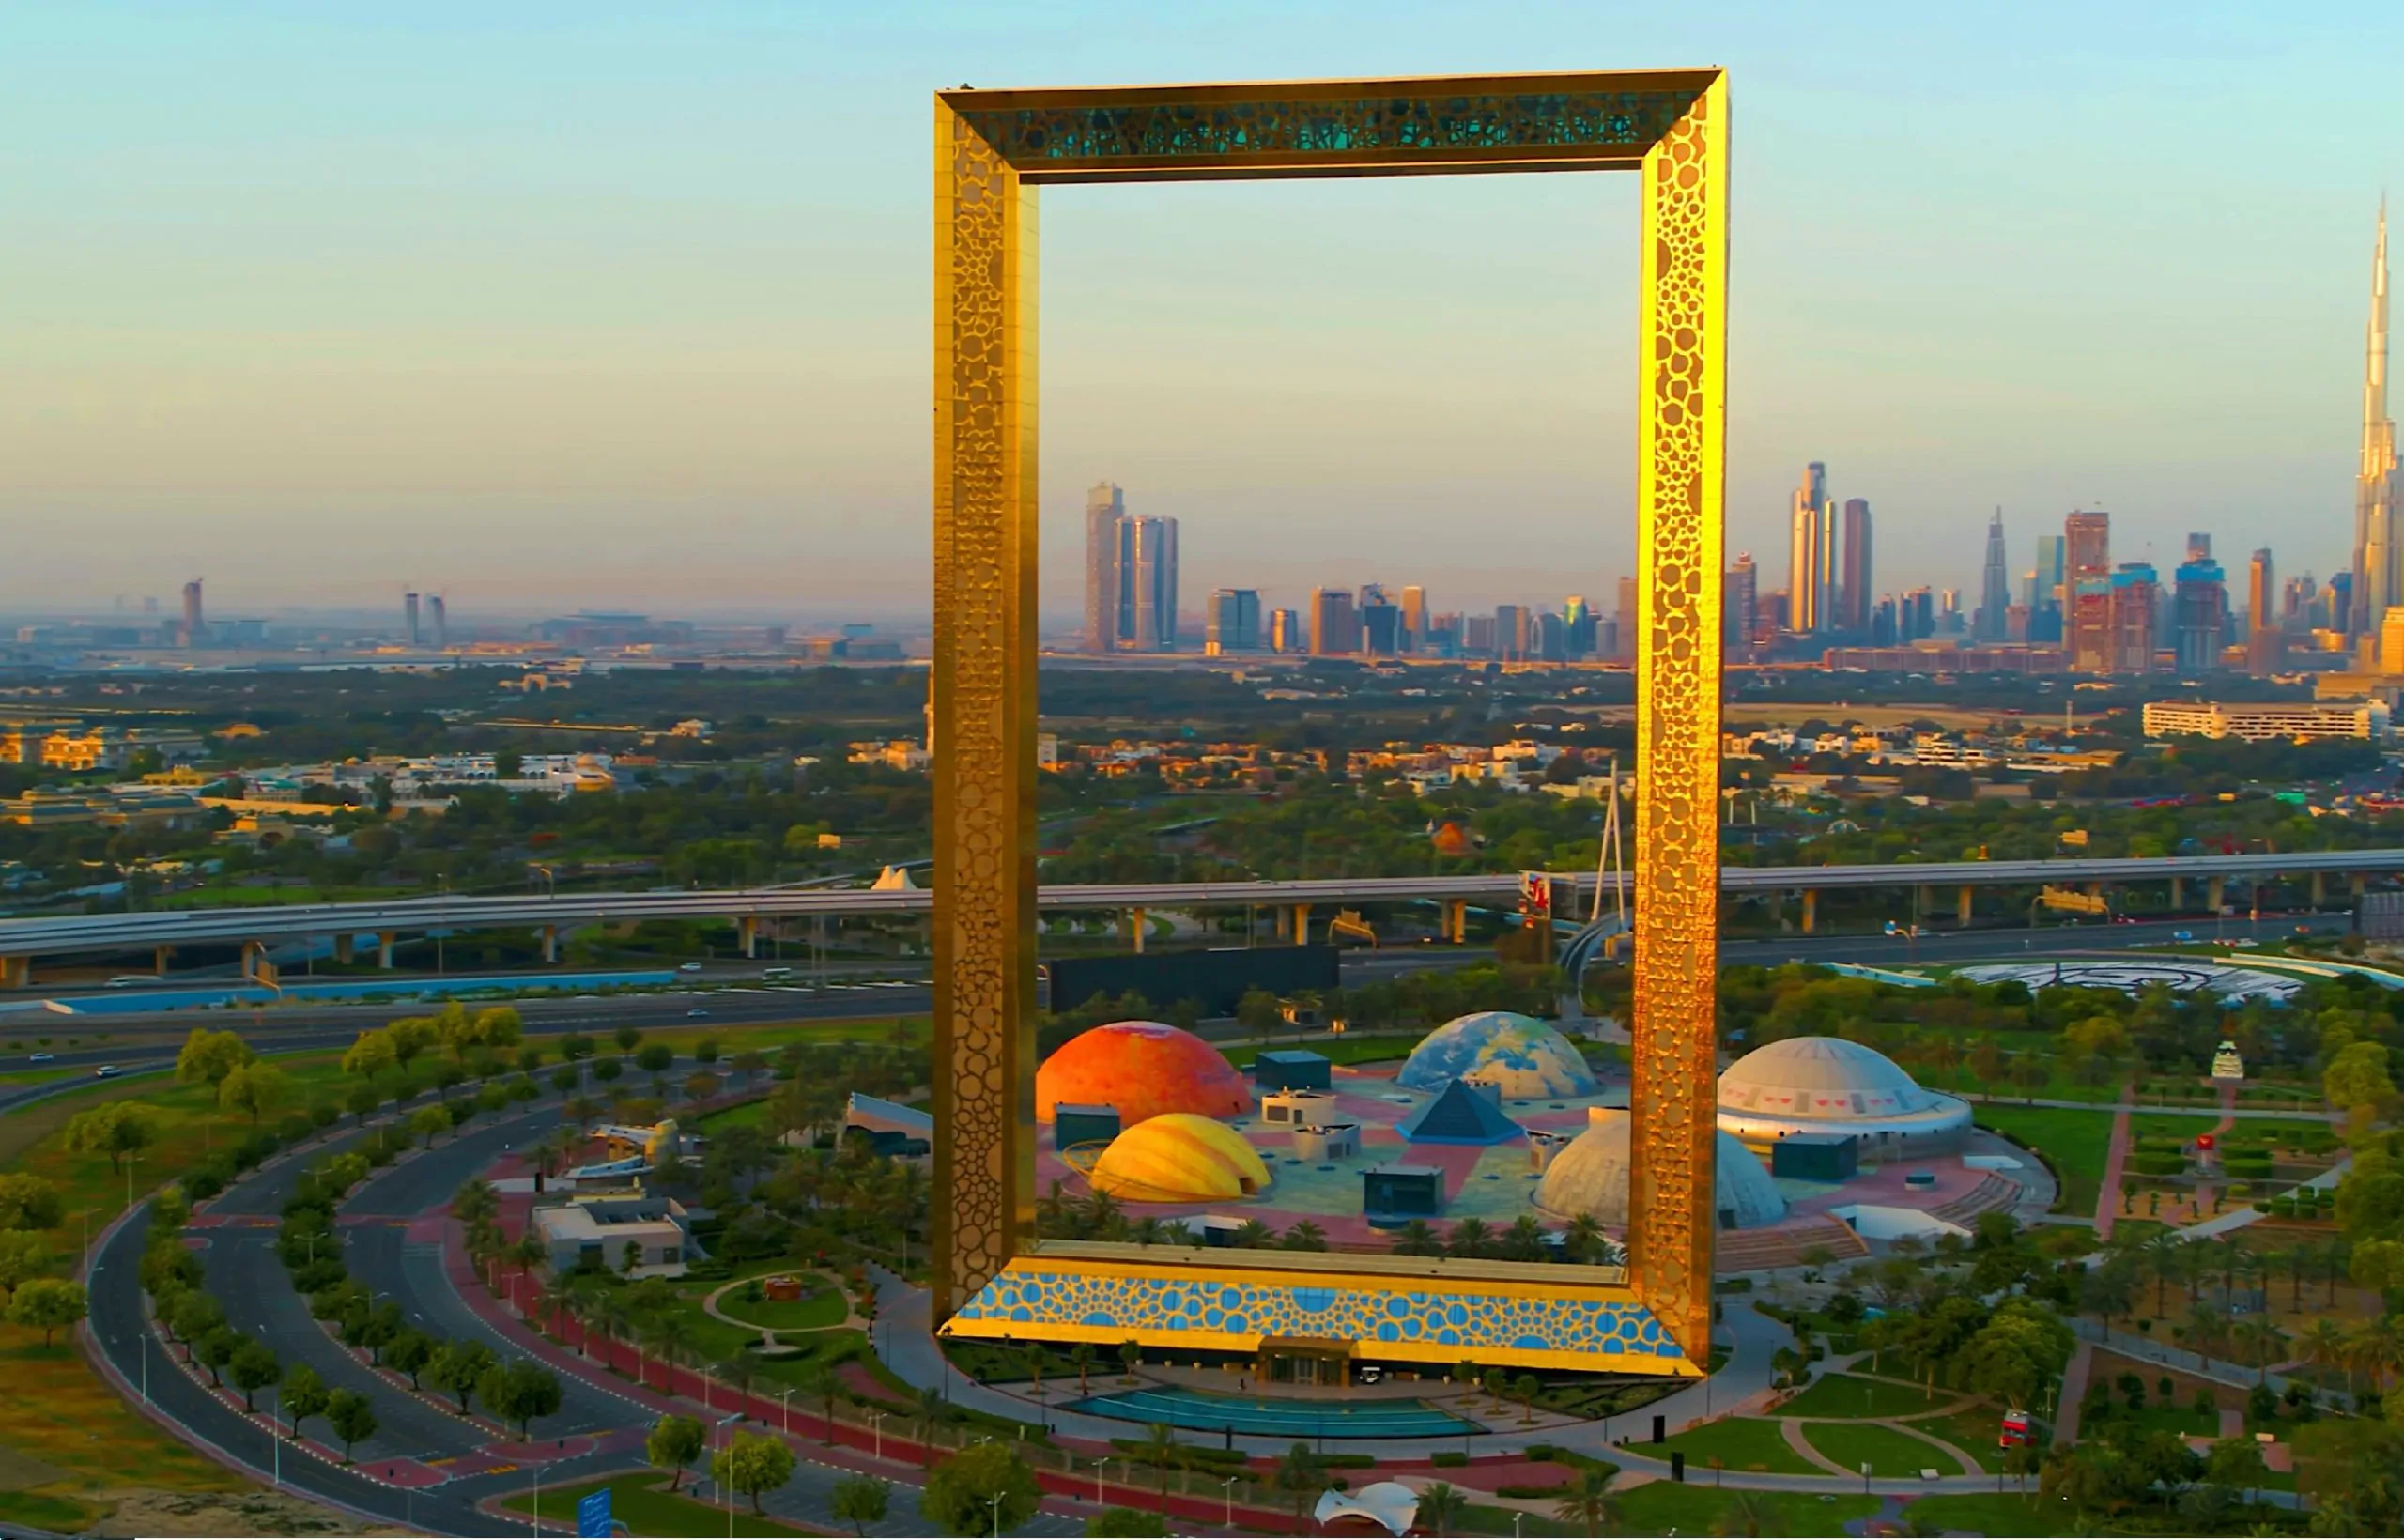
{"x": 1144, "y": 1069}
{"x": 1526, "y": 1057}
{"x": 1590, "y": 1177}
{"x": 1179, "y": 1157}
{"x": 2178, "y": 974}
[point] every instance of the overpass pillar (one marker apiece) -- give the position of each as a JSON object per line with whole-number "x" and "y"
{"x": 2178, "y": 895}
{"x": 17, "y": 972}
{"x": 254, "y": 953}
{"x": 1810, "y": 910}
{"x": 1962, "y": 905}
{"x": 1924, "y": 902}
{"x": 2359, "y": 882}
{"x": 1456, "y": 920}
{"x": 1301, "y": 923}
{"x": 1137, "y": 922}
{"x": 2215, "y": 891}
{"x": 551, "y": 943}
{"x": 2319, "y": 888}
{"x": 159, "y": 958}
{"x": 344, "y": 947}
{"x": 384, "y": 949}
{"x": 746, "y": 930}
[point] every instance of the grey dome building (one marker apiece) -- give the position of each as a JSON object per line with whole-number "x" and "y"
{"x": 1823, "y": 1085}
{"x": 1590, "y": 1176}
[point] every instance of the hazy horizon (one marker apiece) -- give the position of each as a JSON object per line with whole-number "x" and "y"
{"x": 608, "y": 307}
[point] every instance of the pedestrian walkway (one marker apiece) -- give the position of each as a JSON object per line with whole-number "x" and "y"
{"x": 2116, "y": 1161}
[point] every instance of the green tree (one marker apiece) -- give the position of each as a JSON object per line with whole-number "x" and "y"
{"x": 362, "y": 1101}
{"x": 859, "y": 1502}
{"x": 1133, "y": 1523}
{"x": 25, "y": 1254}
{"x": 518, "y": 1393}
{"x": 215, "y": 1349}
{"x": 253, "y": 1369}
{"x": 459, "y": 1368}
{"x": 29, "y": 1203}
{"x": 410, "y": 1352}
{"x": 1589, "y": 1502}
{"x": 252, "y": 1090}
{"x": 352, "y": 1417}
{"x": 46, "y": 1304}
{"x": 304, "y": 1396}
{"x": 2237, "y": 1462}
{"x": 430, "y": 1121}
{"x": 674, "y": 1443}
{"x": 2358, "y": 1077}
{"x": 983, "y": 1488}
{"x": 1441, "y": 1505}
{"x": 212, "y": 1057}
{"x": 371, "y": 1054}
{"x": 115, "y": 1129}
{"x": 753, "y": 1463}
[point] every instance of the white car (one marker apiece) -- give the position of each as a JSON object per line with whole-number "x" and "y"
{"x": 38, "y": 1059}
{"x": 105, "y": 1072}
{"x": 697, "y": 1012}
{"x": 688, "y": 968}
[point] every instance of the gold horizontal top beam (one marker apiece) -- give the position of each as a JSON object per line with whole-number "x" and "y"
{"x": 1597, "y": 121}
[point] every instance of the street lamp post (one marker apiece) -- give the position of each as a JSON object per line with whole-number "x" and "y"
{"x": 876, "y": 1425}
{"x": 994, "y": 1502}
{"x": 784, "y": 1398}
{"x": 1227, "y": 1489}
{"x": 273, "y": 1403}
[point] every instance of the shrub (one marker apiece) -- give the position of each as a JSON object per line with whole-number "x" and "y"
{"x": 1448, "y": 1458}
{"x": 1558, "y": 1489}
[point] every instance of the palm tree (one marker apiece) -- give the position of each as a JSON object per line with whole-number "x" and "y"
{"x": 1747, "y": 1513}
{"x": 1303, "y": 1235}
{"x": 739, "y": 1374}
{"x": 2378, "y": 1348}
{"x": 2161, "y": 1254}
{"x": 1440, "y": 1503}
{"x": 673, "y": 1334}
{"x": 1469, "y": 1238}
{"x": 1589, "y": 1502}
{"x": 1302, "y": 1477}
{"x": 821, "y": 1382}
{"x": 2324, "y": 1346}
{"x": 931, "y": 1409}
{"x": 1081, "y": 1359}
{"x": 1584, "y": 1239}
{"x": 1160, "y": 1448}
{"x": 1418, "y": 1238}
{"x": 1252, "y": 1235}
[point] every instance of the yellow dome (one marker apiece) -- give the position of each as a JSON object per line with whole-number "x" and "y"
{"x": 1179, "y": 1157}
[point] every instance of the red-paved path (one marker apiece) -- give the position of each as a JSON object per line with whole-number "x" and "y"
{"x": 2115, "y": 1161}
{"x": 665, "y": 1388}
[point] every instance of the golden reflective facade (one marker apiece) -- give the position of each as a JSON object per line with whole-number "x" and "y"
{"x": 993, "y": 150}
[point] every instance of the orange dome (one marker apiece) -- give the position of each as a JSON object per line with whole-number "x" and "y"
{"x": 1179, "y": 1157}
{"x": 1144, "y": 1068}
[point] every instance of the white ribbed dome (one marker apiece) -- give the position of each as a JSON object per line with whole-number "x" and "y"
{"x": 1590, "y": 1176}
{"x": 1821, "y": 1078}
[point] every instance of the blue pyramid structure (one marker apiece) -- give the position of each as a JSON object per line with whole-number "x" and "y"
{"x": 1458, "y": 1115}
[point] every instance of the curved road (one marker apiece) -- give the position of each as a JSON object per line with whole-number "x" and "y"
{"x": 441, "y": 1465}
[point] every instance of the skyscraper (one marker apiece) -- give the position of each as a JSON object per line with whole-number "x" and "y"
{"x": 2377, "y": 551}
{"x": 2265, "y": 643}
{"x": 1148, "y": 584}
{"x": 1336, "y": 629}
{"x": 2087, "y": 583}
{"x": 1810, "y": 555}
{"x": 2135, "y": 601}
{"x": 1625, "y": 618}
{"x": 1738, "y": 604}
{"x": 2199, "y": 609}
{"x": 1994, "y": 591}
{"x": 2049, "y": 603}
{"x": 195, "y": 624}
{"x": 1106, "y": 504}
{"x": 441, "y": 620}
{"x": 1855, "y": 579}
{"x": 1285, "y": 631}
{"x": 1414, "y": 617}
{"x": 1232, "y": 624}
{"x": 1515, "y": 639}
{"x": 409, "y": 611}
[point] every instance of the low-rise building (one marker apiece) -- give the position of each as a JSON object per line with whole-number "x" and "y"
{"x": 2255, "y": 721}
{"x": 597, "y": 1228}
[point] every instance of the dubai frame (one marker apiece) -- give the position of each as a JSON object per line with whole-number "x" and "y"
{"x": 992, "y": 1278}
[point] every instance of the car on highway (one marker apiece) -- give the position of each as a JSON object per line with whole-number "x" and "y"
{"x": 39, "y": 1059}
{"x": 688, "y": 968}
{"x": 2182, "y": 935}
{"x": 105, "y": 1072}
{"x": 697, "y": 1012}
{"x": 127, "y": 980}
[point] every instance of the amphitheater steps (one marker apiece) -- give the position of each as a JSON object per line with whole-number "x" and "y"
{"x": 1996, "y": 1192}
{"x": 1784, "y": 1246}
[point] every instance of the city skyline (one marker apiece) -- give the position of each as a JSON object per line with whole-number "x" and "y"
{"x": 459, "y": 335}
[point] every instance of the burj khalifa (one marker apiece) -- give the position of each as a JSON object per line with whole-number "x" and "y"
{"x": 2378, "y": 551}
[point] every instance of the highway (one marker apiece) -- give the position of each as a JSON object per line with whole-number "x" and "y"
{"x": 67, "y": 935}
{"x": 140, "y": 1043}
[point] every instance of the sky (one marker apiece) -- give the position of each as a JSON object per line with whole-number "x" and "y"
{"x": 560, "y": 305}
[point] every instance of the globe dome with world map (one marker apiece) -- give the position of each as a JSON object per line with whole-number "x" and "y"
{"x": 1526, "y": 1057}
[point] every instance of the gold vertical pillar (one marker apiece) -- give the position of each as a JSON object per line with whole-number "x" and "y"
{"x": 1680, "y": 468}
{"x": 984, "y": 722}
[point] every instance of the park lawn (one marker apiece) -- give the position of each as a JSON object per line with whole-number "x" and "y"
{"x": 1988, "y": 1513}
{"x": 2170, "y": 1125}
{"x": 820, "y": 1308}
{"x": 1885, "y": 1450}
{"x": 56, "y": 1410}
{"x": 51, "y": 1510}
{"x": 1852, "y": 1395}
{"x": 38, "y": 1077}
{"x": 635, "y": 1503}
{"x": 2074, "y": 1142}
{"x": 1974, "y": 1432}
{"x": 1663, "y": 1507}
{"x": 1740, "y": 1443}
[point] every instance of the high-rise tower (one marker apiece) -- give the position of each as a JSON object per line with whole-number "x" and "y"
{"x": 2377, "y": 552}
{"x": 195, "y": 620}
{"x": 1994, "y": 592}
{"x": 1857, "y": 579}
{"x": 1811, "y": 557}
{"x": 1106, "y": 504}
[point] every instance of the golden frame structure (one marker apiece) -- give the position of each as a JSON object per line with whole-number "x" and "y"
{"x": 992, "y": 151}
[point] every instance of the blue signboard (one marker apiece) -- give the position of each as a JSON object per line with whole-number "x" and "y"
{"x": 593, "y": 1515}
